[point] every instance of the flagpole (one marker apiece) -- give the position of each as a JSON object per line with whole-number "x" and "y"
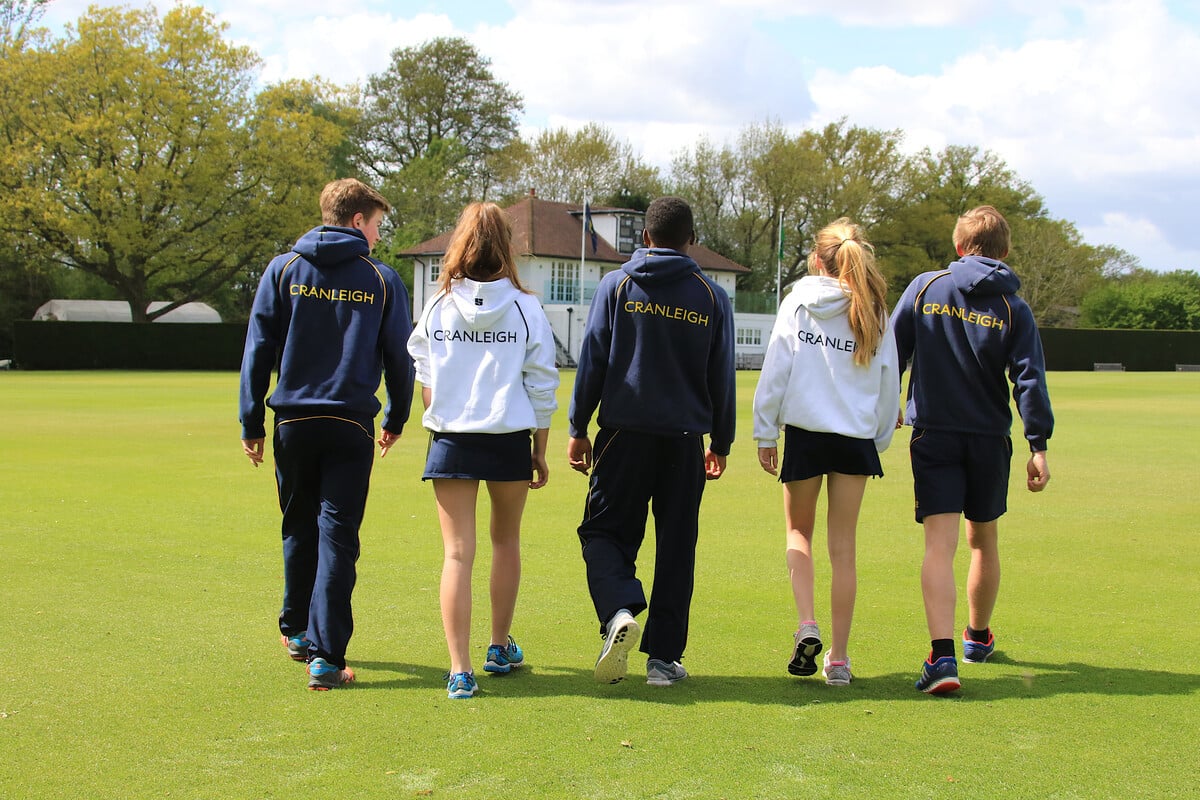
{"x": 583, "y": 232}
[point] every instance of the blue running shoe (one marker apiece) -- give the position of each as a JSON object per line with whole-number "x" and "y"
{"x": 461, "y": 685}
{"x": 323, "y": 676}
{"x": 939, "y": 677}
{"x": 977, "y": 652}
{"x": 297, "y": 645}
{"x": 503, "y": 658}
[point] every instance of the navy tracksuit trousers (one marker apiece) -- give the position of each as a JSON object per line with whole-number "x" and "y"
{"x": 631, "y": 473}
{"x": 323, "y": 470}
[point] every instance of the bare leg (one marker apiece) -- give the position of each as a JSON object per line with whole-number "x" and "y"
{"x": 508, "y": 504}
{"x": 937, "y": 574}
{"x": 845, "y": 500}
{"x": 983, "y": 579}
{"x": 800, "y": 511}
{"x": 456, "y": 512}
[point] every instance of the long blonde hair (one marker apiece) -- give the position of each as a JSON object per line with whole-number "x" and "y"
{"x": 480, "y": 248}
{"x": 843, "y": 252}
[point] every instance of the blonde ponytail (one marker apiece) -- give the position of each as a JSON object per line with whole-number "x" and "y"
{"x": 843, "y": 253}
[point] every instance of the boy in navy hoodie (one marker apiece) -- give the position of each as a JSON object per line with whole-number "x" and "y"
{"x": 964, "y": 328}
{"x": 333, "y": 319}
{"x": 657, "y": 359}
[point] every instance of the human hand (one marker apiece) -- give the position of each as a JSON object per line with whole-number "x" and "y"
{"x": 714, "y": 465}
{"x": 579, "y": 453}
{"x": 1038, "y": 471}
{"x": 541, "y": 471}
{"x": 386, "y": 440}
{"x": 768, "y": 459}
{"x": 253, "y": 448}
{"x": 900, "y": 420}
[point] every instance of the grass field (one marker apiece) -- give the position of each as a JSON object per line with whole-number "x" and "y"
{"x": 141, "y": 578}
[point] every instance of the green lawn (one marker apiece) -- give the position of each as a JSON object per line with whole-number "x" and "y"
{"x": 141, "y": 580}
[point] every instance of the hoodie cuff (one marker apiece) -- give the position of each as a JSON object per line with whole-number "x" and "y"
{"x": 1037, "y": 443}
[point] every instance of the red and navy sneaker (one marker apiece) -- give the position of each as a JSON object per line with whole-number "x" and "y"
{"x": 939, "y": 677}
{"x": 977, "y": 652}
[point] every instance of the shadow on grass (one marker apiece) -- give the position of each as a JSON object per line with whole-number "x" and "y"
{"x": 1004, "y": 680}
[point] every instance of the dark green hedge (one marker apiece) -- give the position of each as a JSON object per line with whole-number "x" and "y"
{"x": 161, "y": 345}
{"x": 127, "y": 345}
{"x": 1076, "y": 349}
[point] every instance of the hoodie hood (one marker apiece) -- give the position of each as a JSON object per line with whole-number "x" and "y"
{"x": 482, "y": 304}
{"x": 823, "y": 296}
{"x": 657, "y": 265}
{"x": 330, "y": 244}
{"x": 984, "y": 276}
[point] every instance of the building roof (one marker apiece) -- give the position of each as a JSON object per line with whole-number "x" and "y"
{"x": 545, "y": 229}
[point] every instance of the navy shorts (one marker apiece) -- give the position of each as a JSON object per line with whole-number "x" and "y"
{"x": 960, "y": 473}
{"x": 480, "y": 456}
{"x": 807, "y": 454}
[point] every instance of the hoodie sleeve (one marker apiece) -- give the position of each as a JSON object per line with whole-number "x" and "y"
{"x": 263, "y": 339}
{"x": 773, "y": 380}
{"x": 418, "y": 343}
{"x": 540, "y": 376}
{"x": 593, "y": 360}
{"x": 887, "y": 405}
{"x": 397, "y": 366}
{"x": 904, "y": 327}
{"x": 722, "y": 377}
{"x": 1027, "y": 372}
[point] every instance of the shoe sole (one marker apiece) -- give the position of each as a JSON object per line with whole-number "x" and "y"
{"x": 976, "y": 660}
{"x": 804, "y": 658}
{"x": 665, "y": 681}
{"x": 836, "y": 681}
{"x": 613, "y": 663}
{"x": 461, "y": 695}
{"x": 501, "y": 669}
{"x": 942, "y": 686}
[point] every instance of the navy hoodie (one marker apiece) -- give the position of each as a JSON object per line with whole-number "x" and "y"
{"x": 964, "y": 328}
{"x": 333, "y": 318}
{"x": 657, "y": 353}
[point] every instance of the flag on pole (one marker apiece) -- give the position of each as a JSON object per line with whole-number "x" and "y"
{"x": 588, "y": 227}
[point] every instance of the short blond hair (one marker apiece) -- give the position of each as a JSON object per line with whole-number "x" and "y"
{"x": 983, "y": 231}
{"x": 345, "y": 197}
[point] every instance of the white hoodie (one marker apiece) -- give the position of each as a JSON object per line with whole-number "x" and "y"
{"x": 486, "y": 352}
{"x": 809, "y": 379}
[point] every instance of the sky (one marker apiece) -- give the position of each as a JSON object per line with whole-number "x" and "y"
{"x": 1095, "y": 103}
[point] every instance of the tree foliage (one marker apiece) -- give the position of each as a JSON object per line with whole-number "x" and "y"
{"x": 1141, "y": 299}
{"x": 136, "y": 151}
{"x": 440, "y": 92}
{"x": 567, "y": 166}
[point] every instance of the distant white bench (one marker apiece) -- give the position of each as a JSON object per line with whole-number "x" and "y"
{"x": 1101, "y": 366}
{"x": 1187, "y": 367}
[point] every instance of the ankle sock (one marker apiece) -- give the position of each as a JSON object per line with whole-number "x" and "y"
{"x": 978, "y": 636}
{"x": 940, "y": 648}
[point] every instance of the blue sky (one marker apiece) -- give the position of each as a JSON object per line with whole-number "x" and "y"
{"x": 1094, "y": 102}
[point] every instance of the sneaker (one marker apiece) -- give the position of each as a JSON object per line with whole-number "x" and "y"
{"x": 323, "y": 676}
{"x": 623, "y": 633}
{"x": 461, "y": 685}
{"x": 664, "y": 673}
{"x": 977, "y": 652}
{"x": 503, "y": 658}
{"x": 804, "y": 654}
{"x": 836, "y": 673}
{"x": 939, "y": 677}
{"x": 297, "y": 646}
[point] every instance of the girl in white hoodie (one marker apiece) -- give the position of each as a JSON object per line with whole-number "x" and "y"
{"x": 484, "y": 354}
{"x": 830, "y": 380}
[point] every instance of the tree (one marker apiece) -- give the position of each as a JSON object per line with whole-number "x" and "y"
{"x": 18, "y": 18}
{"x": 137, "y": 153}
{"x": 1145, "y": 300}
{"x": 565, "y": 166}
{"x": 1056, "y": 267}
{"x": 440, "y": 92}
